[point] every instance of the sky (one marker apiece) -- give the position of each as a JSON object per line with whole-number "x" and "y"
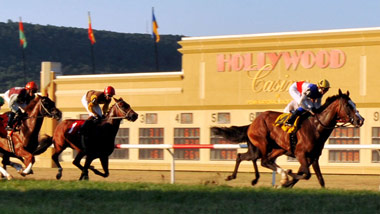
{"x": 197, "y": 17}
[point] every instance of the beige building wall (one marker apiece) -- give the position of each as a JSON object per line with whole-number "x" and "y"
{"x": 241, "y": 75}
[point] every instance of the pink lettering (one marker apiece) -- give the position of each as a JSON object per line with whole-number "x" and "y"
{"x": 291, "y": 60}
{"x": 274, "y": 58}
{"x": 237, "y": 62}
{"x": 323, "y": 59}
{"x": 338, "y": 58}
{"x": 308, "y": 59}
{"x": 222, "y": 61}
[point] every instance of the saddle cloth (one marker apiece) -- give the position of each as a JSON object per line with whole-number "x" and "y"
{"x": 75, "y": 127}
{"x": 281, "y": 120}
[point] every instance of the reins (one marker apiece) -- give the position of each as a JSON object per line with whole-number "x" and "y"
{"x": 120, "y": 109}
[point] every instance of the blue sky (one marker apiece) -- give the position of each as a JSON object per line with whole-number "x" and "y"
{"x": 197, "y": 17}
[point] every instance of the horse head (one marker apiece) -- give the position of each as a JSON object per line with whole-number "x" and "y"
{"x": 124, "y": 110}
{"x": 347, "y": 112}
{"x": 48, "y": 108}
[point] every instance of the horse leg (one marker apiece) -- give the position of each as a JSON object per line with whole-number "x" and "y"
{"x": 77, "y": 160}
{"x": 239, "y": 158}
{"x": 104, "y": 162}
{"x": 55, "y": 157}
{"x": 5, "y": 174}
{"x": 318, "y": 173}
{"x": 28, "y": 160}
{"x": 87, "y": 164}
{"x": 6, "y": 161}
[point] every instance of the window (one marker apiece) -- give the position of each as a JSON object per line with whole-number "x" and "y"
{"x": 224, "y": 118}
{"x": 345, "y": 135}
{"x": 221, "y": 154}
{"x": 186, "y": 118}
{"x": 375, "y": 140}
{"x": 186, "y": 136}
{"x": 151, "y": 118}
{"x": 122, "y": 137}
{"x": 151, "y": 136}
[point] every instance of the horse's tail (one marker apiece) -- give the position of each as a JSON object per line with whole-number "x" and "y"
{"x": 235, "y": 134}
{"x": 43, "y": 144}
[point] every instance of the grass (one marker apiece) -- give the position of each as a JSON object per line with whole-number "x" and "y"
{"x": 49, "y": 196}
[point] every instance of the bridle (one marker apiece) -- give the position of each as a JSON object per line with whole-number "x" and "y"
{"x": 122, "y": 111}
{"x": 344, "y": 123}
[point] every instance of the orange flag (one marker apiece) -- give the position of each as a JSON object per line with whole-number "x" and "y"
{"x": 91, "y": 36}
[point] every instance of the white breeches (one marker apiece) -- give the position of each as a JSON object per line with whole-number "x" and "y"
{"x": 95, "y": 108}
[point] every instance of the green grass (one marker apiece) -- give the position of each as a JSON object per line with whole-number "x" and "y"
{"x": 32, "y": 196}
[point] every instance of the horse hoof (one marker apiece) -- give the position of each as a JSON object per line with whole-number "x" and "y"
{"x": 254, "y": 182}
{"x": 58, "y": 176}
{"x": 9, "y": 177}
{"x": 229, "y": 178}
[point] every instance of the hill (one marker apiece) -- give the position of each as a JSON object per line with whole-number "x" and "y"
{"x": 113, "y": 52}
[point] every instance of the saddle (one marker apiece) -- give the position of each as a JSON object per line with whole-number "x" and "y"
{"x": 75, "y": 127}
{"x": 281, "y": 120}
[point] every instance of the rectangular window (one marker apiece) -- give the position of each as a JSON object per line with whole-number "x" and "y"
{"x": 345, "y": 135}
{"x": 122, "y": 137}
{"x": 151, "y": 136}
{"x": 151, "y": 118}
{"x": 186, "y": 118}
{"x": 224, "y": 118}
{"x": 375, "y": 140}
{"x": 221, "y": 154}
{"x": 186, "y": 136}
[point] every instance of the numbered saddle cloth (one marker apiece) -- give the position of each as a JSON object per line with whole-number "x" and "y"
{"x": 75, "y": 127}
{"x": 281, "y": 120}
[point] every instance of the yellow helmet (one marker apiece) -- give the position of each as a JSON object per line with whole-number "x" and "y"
{"x": 323, "y": 84}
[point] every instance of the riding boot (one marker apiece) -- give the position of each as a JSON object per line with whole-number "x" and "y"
{"x": 293, "y": 117}
{"x": 11, "y": 118}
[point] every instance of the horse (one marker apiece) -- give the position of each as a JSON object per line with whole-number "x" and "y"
{"x": 272, "y": 141}
{"x": 100, "y": 143}
{"x": 24, "y": 142}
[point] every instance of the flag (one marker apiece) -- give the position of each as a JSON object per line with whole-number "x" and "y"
{"x": 91, "y": 36}
{"x": 155, "y": 35}
{"x": 23, "y": 42}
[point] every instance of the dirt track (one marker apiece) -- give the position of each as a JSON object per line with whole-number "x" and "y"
{"x": 353, "y": 182}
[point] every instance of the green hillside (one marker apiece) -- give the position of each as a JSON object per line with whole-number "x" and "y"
{"x": 114, "y": 52}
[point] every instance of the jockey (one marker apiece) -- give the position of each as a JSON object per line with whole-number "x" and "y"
{"x": 18, "y": 98}
{"x": 306, "y": 97}
{"x": 91, "y": 101}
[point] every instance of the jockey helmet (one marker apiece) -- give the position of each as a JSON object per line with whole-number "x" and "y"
{"x": 32, "y": 86}
{"x": 109, "y": 91}
{"x": 1, "y": 101}
{"x": 323, "y": 84}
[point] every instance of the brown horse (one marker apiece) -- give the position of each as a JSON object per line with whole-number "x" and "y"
{"x": 100, "y": 143}
{"x": 272, "y": 141}
{"x": 25, "y": 141}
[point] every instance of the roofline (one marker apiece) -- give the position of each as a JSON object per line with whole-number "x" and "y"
{"x": 281, "y": 33}
{"x": 150, "y": 74}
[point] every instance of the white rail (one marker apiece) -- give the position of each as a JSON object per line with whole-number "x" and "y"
{"x": 170, "y": 147}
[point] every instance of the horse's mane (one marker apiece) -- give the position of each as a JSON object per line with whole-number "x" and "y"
{"x": 331, "y": 99}
{"x": 32, "y": 103}
{"x": 109, "y": 109}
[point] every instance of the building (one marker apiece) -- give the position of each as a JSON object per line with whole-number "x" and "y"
{"x": 228, "y": 80}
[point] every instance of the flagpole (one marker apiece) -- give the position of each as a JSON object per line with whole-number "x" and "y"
{"x": 22, "y": 46}
{"x": 93, "y": 59}
{"x": 92, "y": 42}
{"x": 156, "y": 55}
{"x": 23, "y": 63}
{"x": 156, "y": 38}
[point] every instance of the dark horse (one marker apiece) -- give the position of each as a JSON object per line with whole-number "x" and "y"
{"x": 272, "y": 141}
{"x": 100, "y": 143}
{"x": 25, "y": 141}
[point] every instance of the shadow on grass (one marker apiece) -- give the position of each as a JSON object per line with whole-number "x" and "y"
{"x": 93, "y": 197}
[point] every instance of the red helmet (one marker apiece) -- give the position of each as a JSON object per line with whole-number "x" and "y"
{"x": 32, "y": 86}
{"x": 109, "y": 91}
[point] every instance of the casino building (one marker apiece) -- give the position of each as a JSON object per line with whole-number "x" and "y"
{"x": 229, "y": 80}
